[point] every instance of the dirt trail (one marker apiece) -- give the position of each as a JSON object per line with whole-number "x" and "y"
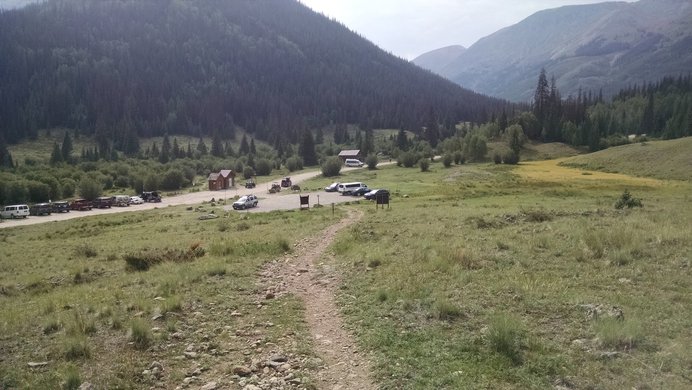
{"x": 311, "y": 277}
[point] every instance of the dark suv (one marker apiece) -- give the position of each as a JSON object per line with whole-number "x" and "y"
{"x": 80, "y": 204}
{"x": 151, "y": 196}
{"x": 61, "y": 207}
{"x": 102, "y": 202}
{"x": 41, "y": 209}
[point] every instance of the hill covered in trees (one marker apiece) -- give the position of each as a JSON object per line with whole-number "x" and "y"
{"x": 119, "y": 70}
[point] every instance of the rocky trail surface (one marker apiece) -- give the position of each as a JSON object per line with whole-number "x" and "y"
{"x": 309, "y": 274}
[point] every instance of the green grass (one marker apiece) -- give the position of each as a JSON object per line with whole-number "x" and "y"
{"x": 511, "y": 254}
{"x": 475, "y": 277}
{"x": 660, "y": 159}
{"x": 113, "y": 323}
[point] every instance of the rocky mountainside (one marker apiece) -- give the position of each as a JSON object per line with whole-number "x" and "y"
{"x": 605, "y": 46}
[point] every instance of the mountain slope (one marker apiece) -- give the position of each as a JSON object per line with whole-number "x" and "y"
{"x": 600, "y": 46}
{"x": 123, "y": 68}
{"x": 437, "y": 60}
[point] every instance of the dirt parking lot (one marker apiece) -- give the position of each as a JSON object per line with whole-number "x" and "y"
{"x": 285, "y": 200}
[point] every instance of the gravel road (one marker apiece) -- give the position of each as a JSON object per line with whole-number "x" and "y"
{"x": 285, "y": 200}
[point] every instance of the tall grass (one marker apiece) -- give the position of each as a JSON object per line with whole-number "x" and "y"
{"x": 506, "y": 335}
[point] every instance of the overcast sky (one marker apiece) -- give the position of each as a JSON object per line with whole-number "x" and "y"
{"x": 408, "y": 28}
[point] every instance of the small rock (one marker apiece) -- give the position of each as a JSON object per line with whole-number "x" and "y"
{"x": 190, "y": 355}
{"x": 269, "y": 295}
{"x": 37, "y": 364}
{"x": 177, "y": 335}
{"x": 609, "y": 355}
{"x": 242, "y": 371}
{"x": 210, "y": 386}
{"x": 86, "y": 386}
{"x": 159, "y": 299}
{"x": 251, "y": 387}
{"x": 155, "y": 364}
{"x": 236, "y": 314}
{"x": 284, "y": 367}
{"x": 278, "y": 358}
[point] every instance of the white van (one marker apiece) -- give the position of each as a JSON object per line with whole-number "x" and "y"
{"x": 346, "y": 188}
{"x": 352, "y": 162}
{"x": 15, "y": 211}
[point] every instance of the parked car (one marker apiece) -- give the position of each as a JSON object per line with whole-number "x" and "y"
{"x": 245, "y": 202}
{"x": 136, "y": 200}
{"x": 15, "y": 211}
{"x": 41, "y": 209}
{"x": 250, "y": 183}
{"x": 347, "y": 188}
{"x": 151, "y": 196}
{"x": 102, "y": 202}
{"x": 360, "y": 191}
{"x": 61, "y": 206}
{"x": 332, "y": 187}
{"x": 374, "y": 193}
{"x": 80, "y": 205}
{"x": 275, "y": 188}
{"x": 121, "y": 200}
{"x": 352, "y": 162}
{"x": 286, "y": 182}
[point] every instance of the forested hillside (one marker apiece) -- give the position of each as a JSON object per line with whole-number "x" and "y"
{"x": 123, "y": 69}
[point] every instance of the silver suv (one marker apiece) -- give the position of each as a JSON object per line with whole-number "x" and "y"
{"x": 245, "y": 202}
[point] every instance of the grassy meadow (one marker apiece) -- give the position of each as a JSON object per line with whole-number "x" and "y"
{"x": 69, "y": 299}
{"x": 477, "y": 276}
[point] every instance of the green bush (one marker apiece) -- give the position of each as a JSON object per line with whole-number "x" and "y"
{"x": 151, "y": 182}
{"x": 447, "y": 160}
{"x": 248, "y": 172}
{"x": 294, "y": 164}
{"x": 618, "y": 334}
{"x": 371, "y": 161}
{"x": 511, "y": 158}
{"x": 424, "y": 164}
{"x": 172, "y": 180}
{"x": 145, "y": 259}
{"x": 263, "y": 167}
{"x": 626, "y": 200}
{"x": 331, "y": 166}
{"x": 407, "y": 159}
{"x": 89, "y": 188}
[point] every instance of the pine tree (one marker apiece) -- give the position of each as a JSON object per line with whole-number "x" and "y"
{"x": 216, "y": 145}
{"x": 244, "y": 147}
{"x": 647, "y": 122}
{"x": 202, "y": 147}
{"x": 402, "y": 140}
{"x": 67, "y": 147}
{"x": 175, "y": 150}
{"x": 306, "y": 149}
{"x": 319, "y": 137}
{"x": 165, "y": 155}
{"x": 253, "y": 149}
{"x": 5, "y": 156}
{"x": 56, "y": 155}
{"x": 541, "y": 101}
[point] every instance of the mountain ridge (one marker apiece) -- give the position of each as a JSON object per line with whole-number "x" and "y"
{"x": 604, "y": 46}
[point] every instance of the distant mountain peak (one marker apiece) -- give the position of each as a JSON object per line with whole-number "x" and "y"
{"x": 604, "y": 46}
